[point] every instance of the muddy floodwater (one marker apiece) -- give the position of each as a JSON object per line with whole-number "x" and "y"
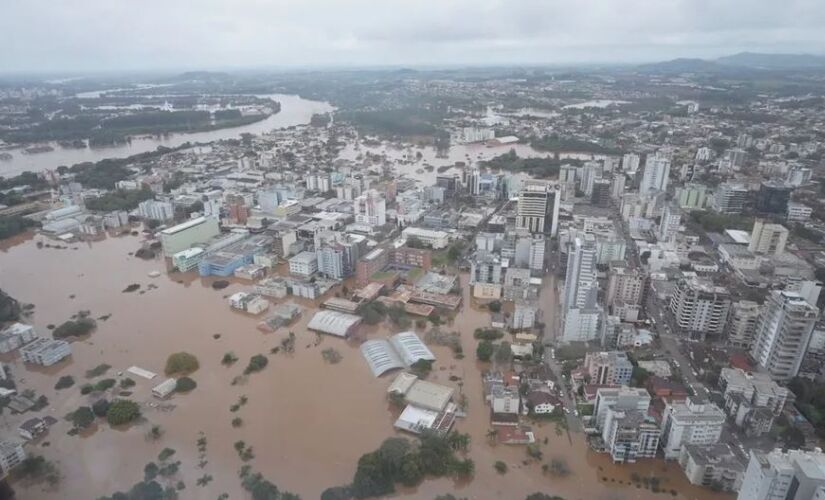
{"x": 307, "y": 421}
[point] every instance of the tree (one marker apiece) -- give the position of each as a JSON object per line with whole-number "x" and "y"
{"x": 422, "y": 367}
{"x": 500, "y": 467}
{"x": 484, "y": 351}
{"x": 181, "y": 363}
{"x": 64, "y": 382}
{"x": 83, "y": 417}
{"x": 101, "y": 407}
{"x": 504, "y": 353}
{"x": 494, "y": 306}
{"x": 122, "y": 411}
{"x": 256, "y": 363}
{"x": 185, "y": 384}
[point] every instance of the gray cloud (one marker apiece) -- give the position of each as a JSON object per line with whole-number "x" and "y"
{"x": 93, "y": 35}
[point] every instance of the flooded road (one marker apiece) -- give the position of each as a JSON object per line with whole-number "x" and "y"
{"x": 294, "y": 111}
{"x": 307, "y": 421}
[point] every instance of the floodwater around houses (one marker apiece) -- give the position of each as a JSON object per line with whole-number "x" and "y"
{"x": 307, "y": 421}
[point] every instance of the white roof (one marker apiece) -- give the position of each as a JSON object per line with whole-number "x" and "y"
{"x": 380, "y": 356}
{"x": 184, "y": 226}
{"x": 739, "y": 236}
{"x": 415, "y": 419}
{"x": 411, "y": 348}
{"x": 333, "y": 322}
{"x": 429, "y": 395}
{"x": 402, "y": 383}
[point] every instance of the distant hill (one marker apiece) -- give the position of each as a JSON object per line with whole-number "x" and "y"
{"x": 737, "y": 63}
{"x": 202, "y": 76}
{"x": 773, "y": 61}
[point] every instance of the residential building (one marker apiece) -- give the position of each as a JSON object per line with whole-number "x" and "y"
{"x": 692, "y": 196}
{"x": 45, "y": 352}
{"x": 656, "y": 174}
{"x": 768, "y": 238}
{"x": 669, "y": 224}
{"x": 608, "y": 368}
{"x": 624, "y": 285}
{"x": 370, "y": 264}
{"x": 741, "y": 325}
{"x": 524, "y": 316}
{"x": 412, "y": 257}
{"x": 797, "y": 212}
{"x": 618, "y": 398}
{"x": 783, "y": 332}
{"x": 629, "y": 435}
{"x": 157, "y": 210}
{"x": 778, "y": 475}
{"x": 12, "y": 454}
{"x": 699, "y": 307}
{"x": 690, "y": 422}
{"x": 715, "y": 466}
{"x": 630, "y": 162}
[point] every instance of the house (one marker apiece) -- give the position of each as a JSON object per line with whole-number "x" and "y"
{"x": 11, "y": 455}
{"x": 505, "y": 403}
{"x": 542, "y": 402}
{"x": 14, "y": 336}
{"x": 45, "y": 352}
{"x": 165, "y": 388}
{"x": 248, "y": 302}
{"x": 35, "y": 427}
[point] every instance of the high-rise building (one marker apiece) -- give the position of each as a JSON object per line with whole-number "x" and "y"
{"x": 629, "y": 435}
{"x": 783, "y": 332}
{"x": 778, "y": 475}
{"x": 767, "y": 238}
{"x": 669, "y": 225}
{"x": 741, "y": 326}
{"x": 773, "y": 197}
{"x": 699, "y": 307}
{"x": 337, "y": 253}
{"x": 538, "y": 207}
{"x": 690, "y": 422}
{"x": 630, "y": 162}
{"x": 618, "y": 398}
{"x": 624, "y": 285}
{"x": 608, "y": 368}
{"x": 600, "y": 193}
{"x": 617, "y": 186}
{"x": 157, "y": 210}
{"x": 581, "y": 272}
{"x": 655, "y": 177}
{"x": 591, "y": 171}
{"x": 729, "y": 198}
{"x": 370, "y": 208}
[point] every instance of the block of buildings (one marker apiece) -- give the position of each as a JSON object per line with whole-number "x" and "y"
{"x": 45, "y": 352}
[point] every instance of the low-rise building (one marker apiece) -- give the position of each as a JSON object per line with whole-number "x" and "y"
{"x": 12, "y": 454}
{"x": 690, "y": 422}
{"x": 45, "y": 352}
{"x": 14, "y": 336}
{"x": 608, "y": 368}
{"x": 714, "y": 466}
{"x": 164, "y": 389}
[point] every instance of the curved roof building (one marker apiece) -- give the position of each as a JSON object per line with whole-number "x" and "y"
{"x": 380, "y": 356}
{"x": 334, "y": 323}
{"x": 411, "y": 348}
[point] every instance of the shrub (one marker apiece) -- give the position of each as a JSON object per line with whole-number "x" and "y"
{"x": 229, "y": 358}
{"x": 105, "y": 384}
{"x": 122, "y": 411}
{"x": 82, "y": 417}
{"x": 86, "y": 389}
{"x": 181, "y": 363}
{"x": 74, "y": 328}
{"x": 484, "y": 351}
{"x": 97, "y": 370}
{"x": 165, "y": 453}
{"x": 127, "y": 383}
{"x": 500, "y": 467}
{"x": 185, "y": 384}
{"x": 64, "y": 382}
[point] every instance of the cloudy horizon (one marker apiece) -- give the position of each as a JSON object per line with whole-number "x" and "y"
{"x": 59, "y": 36}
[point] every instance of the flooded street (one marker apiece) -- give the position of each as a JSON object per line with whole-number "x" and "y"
{"x": 307, "y": 421}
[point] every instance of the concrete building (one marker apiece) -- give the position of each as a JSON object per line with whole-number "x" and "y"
{"x": 778, "y": 475}
{"x": 12, "y": 454}
{"x": 690, "y": 422}
{"x": 629, "y": 435}
{"x": 714, "y": 466}
{"x": 730, "y": 198}
{"x": 624, "y": 285}
{"x": 768, "y": 238}
{"x": 45, "y": 352}
{"x": 608, "y": 368}
{"x": 692, "y": 196}
{"x": 538, "y": 207}
{"x": 370, "y": 208}
{"x": 783, "y": 332}
{"x": 184, "y": 236}
{"x": 773, "y": 197}
{"x": 524, "y": 316}
{"x": 699, "y": 307}
{"x": 797, "y": 212}
{"x": 670, "y": 222}
{"x": 434, "y": 239}
{"x": 412, "y": 257}
{"x": 741, "y": 325}
{"x": 370, "y": 264}
{"x": 156, "y": 210}
{"x": 580, "y": 277}
{"x": 16, "y": 335}
{"x": 656, "y": 174}
{"x": 618, "y": 398}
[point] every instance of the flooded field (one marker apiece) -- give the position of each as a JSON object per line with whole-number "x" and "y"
{"x": 307, "y": 421}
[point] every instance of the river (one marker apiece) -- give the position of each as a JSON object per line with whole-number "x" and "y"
{"x": 294, "y": 111}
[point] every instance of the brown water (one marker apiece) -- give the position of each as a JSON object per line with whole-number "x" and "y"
{"x": 308, "y": 421}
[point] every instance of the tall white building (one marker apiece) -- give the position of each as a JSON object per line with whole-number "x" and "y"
{"x": 619, "y": 399}
{"x": 655, "y": 177}
{"x": 768, "y": 238}
{"x": 630, "y": 162}
{"x": 157, "y": 210}
{"x": 729, "y": 198}
{"x": 791, "y": 475}
{"x": 699, "y": 307}
{"x": 370, "y": 208}
{"x": 690, "y": 422}
{"x": 669, "y": 225}
{"x": 782, "y": 333}
{"x": 581, "y": 272}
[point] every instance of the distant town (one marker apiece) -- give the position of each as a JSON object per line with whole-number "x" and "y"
{"x": 483, "y": 283}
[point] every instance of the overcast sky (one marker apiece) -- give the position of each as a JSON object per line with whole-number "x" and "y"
{"x": 100, "y": 35}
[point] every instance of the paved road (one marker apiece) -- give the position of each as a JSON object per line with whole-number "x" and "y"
{"x": 551, "y": 331}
